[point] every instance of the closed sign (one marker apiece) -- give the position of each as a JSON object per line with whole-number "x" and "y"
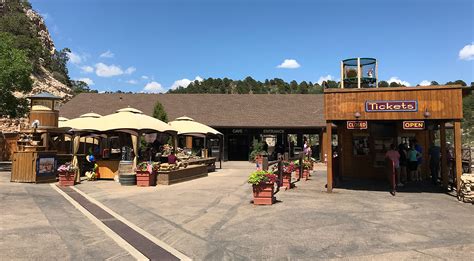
{"x": 356, "y": 125}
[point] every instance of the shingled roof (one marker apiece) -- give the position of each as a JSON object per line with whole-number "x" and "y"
{"x": 215, "y": 110}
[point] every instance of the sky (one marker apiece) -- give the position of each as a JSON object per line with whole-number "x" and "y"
{"x": 152, "y": 46}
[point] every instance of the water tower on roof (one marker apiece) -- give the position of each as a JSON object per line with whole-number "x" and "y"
{"x": 359, "y": 73}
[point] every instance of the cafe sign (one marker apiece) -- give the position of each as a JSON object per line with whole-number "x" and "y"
{"x": 413, "y": 125}
{"x": 356, "y": 125}
{"x": 391, "y": 106}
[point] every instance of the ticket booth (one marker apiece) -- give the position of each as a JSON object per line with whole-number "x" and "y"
{"x": 369, "y": 119}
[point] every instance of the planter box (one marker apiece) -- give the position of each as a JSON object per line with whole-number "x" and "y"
{"x": 67, "y": 179}
{"x": 180, "y": 175}
{"x": 306, "y": 174}
{"x": 263, "y": 194}
{"x": 146, "y": 179}
{"x": 286, "y": 179}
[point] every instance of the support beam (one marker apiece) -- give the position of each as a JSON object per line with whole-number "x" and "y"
{"x": 444, "y": 155}
{"x": 328, "y": 142}
{"x": 458, "y": 153}
{"x": 359, "y": 73}
{"x": 342, "y": 74}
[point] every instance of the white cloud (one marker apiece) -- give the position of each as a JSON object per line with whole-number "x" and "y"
{"x": 107, "y": 54}
{"x": 132, "y": 81}
{"x": 74, "y": 58}
{"x": 467, "y": 52}
{"x": 104, "y": 70}
{"x": 184, "y": 82}
{"x": 153, "y": 87}
{"x": 87, "y": 69}
{"x": 397, "y": 80}
{"x": 425, "y": 83}
{"x": 144, "y": 77}
{"x": 289, "y": 64}
{"x": 89, "y": 81}
{"x": 130, "y": 70}
{"x": 325, "y": 78}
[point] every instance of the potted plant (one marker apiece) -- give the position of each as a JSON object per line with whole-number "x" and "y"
{"x": 67, "y": 174}
{"x": 307, "y": 166}
{"x": 146, "y": 174}
{"x": 262, "y": 183}
{"x": 287, "y": 169}
{"x": 296, "y": 166}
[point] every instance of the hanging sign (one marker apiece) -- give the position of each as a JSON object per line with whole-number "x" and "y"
{"x": 357, "y": 125}
{"x": 413, "y": 125}
{"x": 391, "y": 106}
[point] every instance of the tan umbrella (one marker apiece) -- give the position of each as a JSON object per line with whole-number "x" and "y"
{"x": 85, "y": 122}
{"x": 133, "y": 121}
{"x": 187, "y": 126}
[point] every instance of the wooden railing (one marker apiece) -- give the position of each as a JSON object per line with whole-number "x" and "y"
{"x": 279, "y": 162}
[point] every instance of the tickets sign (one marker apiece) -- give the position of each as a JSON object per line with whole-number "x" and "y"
{"x": 413, "y": 125}
{"x": 391, "y": 106}
{"x": 356, "y": 125}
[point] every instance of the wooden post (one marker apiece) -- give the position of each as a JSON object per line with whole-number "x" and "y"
{"x": 444, "y": 155}
{"x": 265, "y": 163}
{"x": 329, "y": 155}
{"x": 359, "y": 71}
{"x": 342, "y": 74}
{"x": 376, "y": 74}
{"x": 323, "y": 145}
{"x": 458, "y": 153}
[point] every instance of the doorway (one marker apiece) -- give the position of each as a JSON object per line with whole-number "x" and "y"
{"x": 238, "y": 147}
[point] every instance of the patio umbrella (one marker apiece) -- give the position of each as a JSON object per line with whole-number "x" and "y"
{"x": 134, "y": 122}
{"x": 85, "y": 122}
{"x": 187, "y": 126}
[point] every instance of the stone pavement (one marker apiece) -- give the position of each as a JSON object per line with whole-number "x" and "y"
{"x": 212, "y": 219}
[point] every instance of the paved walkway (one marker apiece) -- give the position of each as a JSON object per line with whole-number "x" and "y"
{"x": 212, "y": 219}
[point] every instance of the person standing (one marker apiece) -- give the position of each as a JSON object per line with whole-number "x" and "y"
{"x": 434, "y": 154}
{"x": 402, "y": 150}
{"x": 413, "y": 163}
{"x": 419, "y": 149}
{"x": 393, "y": 155}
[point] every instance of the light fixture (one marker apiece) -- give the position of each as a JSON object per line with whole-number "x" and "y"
{"x": 357, "y": 115}
{"x": 427, "y": 114}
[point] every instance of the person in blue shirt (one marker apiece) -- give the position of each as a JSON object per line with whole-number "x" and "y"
{"x": 419, "y": 149}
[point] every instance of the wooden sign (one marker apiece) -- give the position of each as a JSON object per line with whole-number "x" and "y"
{"x": 357, "y": 125}
{"x": 413, "y": 125}
{"x": 391, "y": 106}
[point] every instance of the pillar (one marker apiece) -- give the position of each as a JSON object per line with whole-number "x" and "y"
{"x": 444, "y": 155}
{"x": 458, "y": 153}
{"x": 328, "y": 142}
{"x": 322, "y": 146}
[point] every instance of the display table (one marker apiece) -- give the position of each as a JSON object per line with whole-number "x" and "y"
{"x": 107, "y": 168}
{"x": 34, "y": 166}
{"x": 183, "y": 174}
{"x": 209, "y": 162}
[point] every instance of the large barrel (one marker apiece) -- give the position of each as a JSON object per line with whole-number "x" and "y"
{"x": 126, "y": 174}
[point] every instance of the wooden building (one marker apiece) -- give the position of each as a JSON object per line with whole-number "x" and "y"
{"x": 369, "y": 119}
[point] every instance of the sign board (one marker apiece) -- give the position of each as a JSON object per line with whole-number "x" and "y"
{"x": 273, "y": 131}
{"x": 357, "y": 125}
{"x": 391, "y": 106}
{"x": 237, "y": 131}
{"x": 413, "y": 125}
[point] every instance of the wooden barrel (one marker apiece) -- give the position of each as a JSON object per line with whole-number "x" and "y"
{"x": 126, "y": 174}
{"x": 125, "y": 167}
{"x": 128, "y": 179}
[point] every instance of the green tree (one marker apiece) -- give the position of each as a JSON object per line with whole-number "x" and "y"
{"x": 434, "y": 83}
{"x": 15, "y": 70}
{"x": 80, "y": 87}
{"x": 383, "y": 84}
{"x": 394, "y": 84}
{"x": 159, "y": 112}
{"x": 457, "y": 82}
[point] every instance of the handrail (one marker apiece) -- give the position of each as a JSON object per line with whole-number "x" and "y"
{"x": 266, "y": 164}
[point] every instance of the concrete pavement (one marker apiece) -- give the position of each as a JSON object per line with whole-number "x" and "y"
{"x": 212, "y": 219}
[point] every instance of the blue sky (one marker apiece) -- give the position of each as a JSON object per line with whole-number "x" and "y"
{"x": 129, "y": 45}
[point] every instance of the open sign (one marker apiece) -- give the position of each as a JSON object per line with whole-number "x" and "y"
{"x": 413, "y": 125}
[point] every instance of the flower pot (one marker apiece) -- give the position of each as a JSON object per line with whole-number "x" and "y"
{"x": 263, "y": 194}
{"x": 146, "y": 179}
{"x": 286, "y": 178}
{"x": 67, "y": 178}
{"x": 297, "y": 173}
{"x": 306, "y": 174}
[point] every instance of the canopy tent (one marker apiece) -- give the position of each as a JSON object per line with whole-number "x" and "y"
{"x": 187, "y": 126}
{"x": 134, "y": 122}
